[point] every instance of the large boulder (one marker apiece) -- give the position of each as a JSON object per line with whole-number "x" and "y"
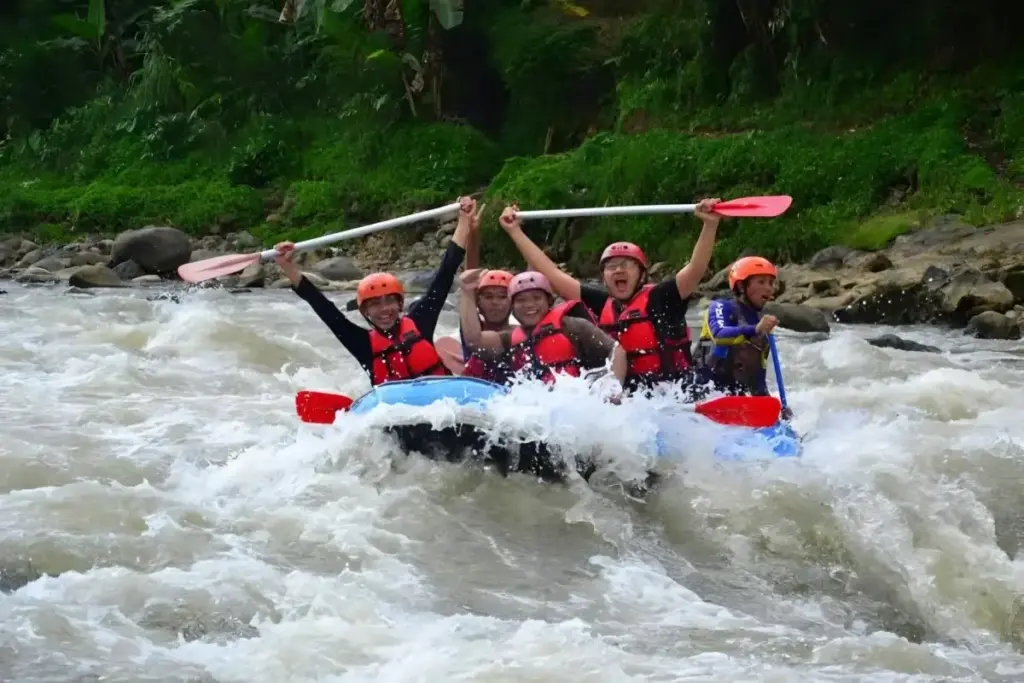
{"x": 338, "y": 268}
{"x": 992, "y": 325}
{"x": 798, "y": 318}
{"x": 95, "y": 276}
{"x": 158, "y": 250}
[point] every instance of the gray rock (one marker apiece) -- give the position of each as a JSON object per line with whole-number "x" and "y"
{"x": 798, "y": 318}
{"x": 891, "y": 341}
{"x": 993, "y": 325}
{"x": 95, "y": 276}
{"x": 156, "y": 249}
{"x": 338, "y": 268}
{"x": 128, "y": 270}
{"x": 830, "y": 258}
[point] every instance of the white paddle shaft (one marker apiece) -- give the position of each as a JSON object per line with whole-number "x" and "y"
{"x": 367, "y": 229}
{"x": 609, "y": 211}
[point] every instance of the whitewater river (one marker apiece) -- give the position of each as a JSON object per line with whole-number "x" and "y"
{"x": 164, "y": 516}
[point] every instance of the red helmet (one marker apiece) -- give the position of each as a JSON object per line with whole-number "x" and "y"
{"x": 495, "y": 278}
{"x": 748, "y": 267}
{"x": 529, "y": 281}
{"x": 378, "y": 284}
{"x": 627, "y": 249}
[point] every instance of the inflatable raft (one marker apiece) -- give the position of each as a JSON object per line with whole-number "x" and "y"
{"x": 470, "y": 440}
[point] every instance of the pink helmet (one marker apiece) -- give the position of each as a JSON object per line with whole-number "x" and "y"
{"x": 529, "y": 281}
{"x": 627, "y": 249}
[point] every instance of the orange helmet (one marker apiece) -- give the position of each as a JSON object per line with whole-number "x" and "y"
{"x": 378, "y": 284}
{"x": 495, "y": 278}
{"x": 748, "y": 267}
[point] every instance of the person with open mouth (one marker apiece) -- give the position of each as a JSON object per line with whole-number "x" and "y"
{"x": 648, "y": 320}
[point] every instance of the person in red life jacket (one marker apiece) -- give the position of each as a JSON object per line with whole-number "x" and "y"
{"x": 647, "y": 320}
{"x": 733, "y": 349}
{"x": 397, "y": 346}
{"x": 549, "y": 339}
{"x": 493, "y": 306}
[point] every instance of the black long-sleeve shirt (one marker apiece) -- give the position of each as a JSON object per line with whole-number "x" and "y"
{"x": 424, "y": 312}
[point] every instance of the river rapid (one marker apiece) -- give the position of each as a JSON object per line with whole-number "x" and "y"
{"x": 164, "y": 516}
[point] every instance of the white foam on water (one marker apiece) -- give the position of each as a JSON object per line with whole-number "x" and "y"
{"x": 195, "y": 530}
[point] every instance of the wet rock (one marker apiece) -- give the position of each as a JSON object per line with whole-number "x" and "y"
{"x": 156, "y": 249}
{"x": 830, "y": 258}
{"x": 826, "y": 287}
{"x": 17, "y": 575}
{"x": 1013, "y": 280}
{"x": 33, "y": 275}
{"x": 95, "y": 276}
{"x": 993, "y": 325}
{"x": 972, "y": 292}
{"x": 338, "y": 268}
{"x": 172, "y": 297}
{"x": 128, "y": 270}
{"x": 79, "y": 290}
{"x": 875, "y": 263}
{"x": 798, "y": 318}
{"x": 891, "y": 341}
{"x": 30, "y": 258}
{"x": 239, "y": 290}
{"x": 89, "y": 258}
{"x": 829, "y": 304}
{"x": 53, "y": 263}
{"x": 147, "y": 280}
{"x": 893, "y": 304}
{"x": 253, "y": 275}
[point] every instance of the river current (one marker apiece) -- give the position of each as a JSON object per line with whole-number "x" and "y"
{"x": 164, "y": 516}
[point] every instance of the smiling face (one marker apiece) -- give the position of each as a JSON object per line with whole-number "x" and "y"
{"x": 621, "y": 276}
{"x": 383, "y": 311}
{"x": 494, "y": 305}
{"x": 530, "y": 306}
{"x": 759, "y": 290}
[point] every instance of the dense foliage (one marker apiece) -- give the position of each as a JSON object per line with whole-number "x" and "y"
{"x": 297, "y": 116}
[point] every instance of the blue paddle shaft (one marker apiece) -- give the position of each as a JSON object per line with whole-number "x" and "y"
{"x": 778, "y": 370}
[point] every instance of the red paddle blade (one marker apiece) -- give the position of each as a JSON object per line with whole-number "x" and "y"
{"x": 450, "y": 351}
{"x": 755, "y": 207}
{"x": 742, "y": 411}
{"x": 207, "y": 269}
{"x": 319, "y": 407}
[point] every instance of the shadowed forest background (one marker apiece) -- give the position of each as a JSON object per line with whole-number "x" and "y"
{"x": 297, "y": 119}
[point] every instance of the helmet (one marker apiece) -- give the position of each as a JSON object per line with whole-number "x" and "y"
{"x": 748, "y": 267}
{"x": 627, "y": 249}
{"x": 378, "y": 284}
{"x": 495, "y": 278}
{"x": 529, "y": 281}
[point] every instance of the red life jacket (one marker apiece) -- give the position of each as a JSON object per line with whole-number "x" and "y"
{"x": 413, "y": 356}
{"x": 650, "y": 355}
{"x": 547, "y": 350}
{"x": 490, "y": 370}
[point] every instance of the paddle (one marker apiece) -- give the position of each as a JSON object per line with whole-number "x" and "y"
{"x": 219, "y": 266}
{"x": 450, "y": 351}
{"x": 319, "y": 407}
{"x": 778, "y": 370}
{"x": 744, "y": 207}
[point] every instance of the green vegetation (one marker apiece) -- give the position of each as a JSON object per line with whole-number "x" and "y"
{"x": 297, "y": 118}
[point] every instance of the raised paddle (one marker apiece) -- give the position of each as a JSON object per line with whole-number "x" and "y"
{"x": 318, "y": 407}
{"x": 744, "y": 207}
{"x": 218, "y": 266}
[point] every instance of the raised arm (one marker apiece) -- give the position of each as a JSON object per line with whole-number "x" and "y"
{"x": 689, "y": 276}
{"x": 564, "y": 284}
{"x": 473, "y": 335}
{"x": 473, "y": 241}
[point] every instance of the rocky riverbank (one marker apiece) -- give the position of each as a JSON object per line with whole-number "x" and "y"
{"x": 946, "y": 273}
